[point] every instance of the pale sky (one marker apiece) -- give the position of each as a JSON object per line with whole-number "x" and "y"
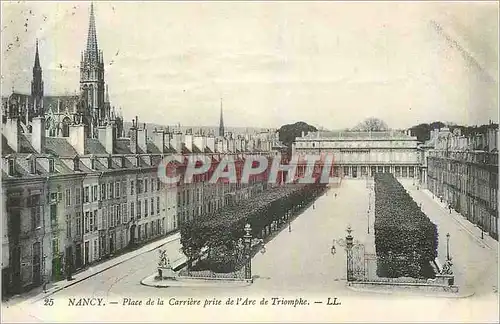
{"x": 330, "y": 64}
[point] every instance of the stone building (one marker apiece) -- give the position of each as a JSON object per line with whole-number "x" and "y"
{"x": 463, "y": 172}
{"x": 362, "y": 154}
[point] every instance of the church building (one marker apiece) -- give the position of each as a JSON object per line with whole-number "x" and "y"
{"x": 90, "y": 107}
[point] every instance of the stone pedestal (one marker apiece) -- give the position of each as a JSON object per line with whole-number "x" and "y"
{"x": 445, "y": 279}
{"x": 166, "y": 273}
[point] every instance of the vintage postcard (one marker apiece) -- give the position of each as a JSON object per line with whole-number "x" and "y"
{"x": 250, "y": 161}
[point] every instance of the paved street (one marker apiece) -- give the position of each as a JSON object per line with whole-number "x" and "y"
{"x": 297, "y": 263}
{"x": 475, "y": 260}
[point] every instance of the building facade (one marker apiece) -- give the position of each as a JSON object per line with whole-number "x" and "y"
{"x": 362, "y": 154}
{"x": 463, "y": 172}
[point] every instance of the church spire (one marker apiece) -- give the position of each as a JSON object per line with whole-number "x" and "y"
{"x": 92, "y": 50}
{"x": 221, "y": 123}
{"x": 37, "y": 58}
{"x": 37, "y": 82}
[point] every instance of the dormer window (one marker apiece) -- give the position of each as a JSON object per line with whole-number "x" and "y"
{"x": 138, "y": 161}
{"x": 76, "y": 164}
{"x": 10, "y": 163}
{"x": 110, "y": 163}
{"x": 92, "y": 164}
{"x": 32, "y": 165}
{"x": 123, "y": 161}
{"x": 51, "y": 165}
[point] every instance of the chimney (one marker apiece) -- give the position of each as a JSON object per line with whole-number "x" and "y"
{"x": 142, "y": 135}
{"x": 176, "y": 141}
{"x": 38, "y": 134}
{"x": 110, "y": 138}
{"x": 77, "y": 138}
{"x": 188, "y": 141}
{"x": 159, "y": 139}
{"x": 11, "y": 133}
{"x": 303, "y": 134}
{"x": 211, "y": 143}
{"x": 133, "y": 136}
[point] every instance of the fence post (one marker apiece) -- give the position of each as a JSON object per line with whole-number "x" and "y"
{"x": 247, "y": 238}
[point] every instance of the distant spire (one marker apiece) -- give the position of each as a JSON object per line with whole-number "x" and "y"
{"x": 221, "y": 123}
{"x": 92, "y": 50}
{"x": 107, "y": 93}
{"x": 37, "y": 57}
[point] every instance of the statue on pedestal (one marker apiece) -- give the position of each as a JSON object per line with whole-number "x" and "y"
{"x": 165, "y": 270}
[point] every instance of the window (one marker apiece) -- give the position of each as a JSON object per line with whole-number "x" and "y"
{"x": 131, "y": 187}
{"x": 36, "y": 220}
{"x": 51, "y": 165}
{"x": 117, "y": 189}
{"x": 118, "y": 214}
{"x": 110, "y": 216}
{"x": 152, "y": 206}
{"x": 158, "y": 185}
{"x": 104, "y": 218}
{"x": 86, "y": 195}
{"x": 91, "y": 222}
{"x": 139, "y": 207}
{"x": 94, "y": 193}
{"x": 86, "y": 221}
{"x": 78, "y": 223}
{"x": 68, "y": 226}
{"x": 103, "y": 191}
{"x": 145, "y": 207}
{"x": 152, "y": 185}
{"x": 92, "y": 164}
{"x": 139, "y": 186}
{"x": 124, "y": 212}
{"x": 67, "y": 197}
{"x": 55, "y": 246}
{"x": 110, "y": 189}
{"x": 32, "y": 166}
{"x": 157, "y": 205}
{"x": 132, "y": 208}
{"x": 145, "y": 185}
{"x": 95, "y": 220}
{"x": 11, "y": 167}
{"x": 53, "y": 213}
{"x": 124, "y": 188}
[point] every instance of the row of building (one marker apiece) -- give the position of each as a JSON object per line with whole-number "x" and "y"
{"x": 78, "y": 200}
{"x": 461, "y": 170}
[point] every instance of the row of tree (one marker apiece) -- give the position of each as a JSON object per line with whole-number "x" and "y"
{"x": 221, "y": 232}
{"x": 405, "y": 239}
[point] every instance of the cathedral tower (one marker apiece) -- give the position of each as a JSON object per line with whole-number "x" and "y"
{"x": 37, "y": 85}
{"x": 92, "y": 77}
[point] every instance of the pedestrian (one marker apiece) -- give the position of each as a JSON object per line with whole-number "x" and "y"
{"x": 449, "y": 207}
{"x": 335, "y": 195}
{"x": 44, "y": 286}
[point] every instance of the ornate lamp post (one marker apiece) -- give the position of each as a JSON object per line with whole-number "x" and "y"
{"x": 447, "y": 246}
{"x": 349, "y": 244}
{"x": 482, "y": 228}
{"x": 247, "y": 241}
{"x": 368, "y": 220}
